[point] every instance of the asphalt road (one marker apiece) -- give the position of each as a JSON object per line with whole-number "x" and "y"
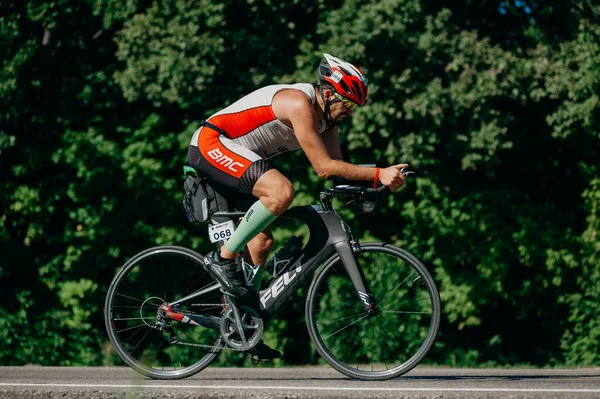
{"x": 300, "y": 382}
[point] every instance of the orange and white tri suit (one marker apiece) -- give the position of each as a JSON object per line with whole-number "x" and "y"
{"x": 231, "y": 147}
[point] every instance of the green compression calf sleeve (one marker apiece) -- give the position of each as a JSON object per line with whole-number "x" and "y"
{"x": 254, "y": 221}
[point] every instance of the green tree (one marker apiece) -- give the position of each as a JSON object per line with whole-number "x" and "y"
{"x": 467, "y": 113}
{"x": 494, "y": 103}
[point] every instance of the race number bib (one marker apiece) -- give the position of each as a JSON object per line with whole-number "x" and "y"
{"x": 221, "y": 231}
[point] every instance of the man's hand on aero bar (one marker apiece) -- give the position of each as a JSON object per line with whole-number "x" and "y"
{"x": 392, "y": 176}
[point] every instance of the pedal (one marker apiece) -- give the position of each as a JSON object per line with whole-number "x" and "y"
{"x": 258, "y": 360}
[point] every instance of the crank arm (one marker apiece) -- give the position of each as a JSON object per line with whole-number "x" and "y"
{"x": 238, "y": 320}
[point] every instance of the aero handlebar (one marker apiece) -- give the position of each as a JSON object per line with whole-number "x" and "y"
{"x": 353, "y": 191}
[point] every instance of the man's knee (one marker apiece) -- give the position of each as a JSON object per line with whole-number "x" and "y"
{"x": 275, "y": 190}
{"x": 281, "y": 197}
{"x": 285, "y": 192}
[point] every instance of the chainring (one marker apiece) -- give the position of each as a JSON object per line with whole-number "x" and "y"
{"x": 252, "y": 325}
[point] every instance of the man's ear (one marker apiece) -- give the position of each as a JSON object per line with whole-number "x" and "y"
{"x": 327, "y": 94}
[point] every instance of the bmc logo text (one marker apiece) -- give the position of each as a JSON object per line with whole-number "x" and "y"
{"x": 277, "y": 287}
{"x": 224, "y": 160}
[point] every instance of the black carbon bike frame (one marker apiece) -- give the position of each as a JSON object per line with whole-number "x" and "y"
{"x": 329, "y": 235}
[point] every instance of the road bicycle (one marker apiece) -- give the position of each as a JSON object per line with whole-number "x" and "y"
{"x": 372, "y": 309}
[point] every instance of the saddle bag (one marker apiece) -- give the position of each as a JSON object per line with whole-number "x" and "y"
{"x": 200, "y": 200}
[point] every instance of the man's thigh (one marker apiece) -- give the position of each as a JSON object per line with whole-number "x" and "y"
{"x": 230, "y": 168}
{"x": 272, "y": 184}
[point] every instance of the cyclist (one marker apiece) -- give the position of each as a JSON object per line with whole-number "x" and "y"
{"x": 232, "y": 147}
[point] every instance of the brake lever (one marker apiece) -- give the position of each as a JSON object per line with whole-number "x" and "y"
{"x": 408, "y": 172}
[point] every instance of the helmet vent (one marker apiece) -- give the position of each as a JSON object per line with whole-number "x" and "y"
{"x": 345, "y": 86}
{"x": 358, "y": 91}
{"x": 346, "y": 72}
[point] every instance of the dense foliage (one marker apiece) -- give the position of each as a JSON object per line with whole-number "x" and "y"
{"x": 494, "y": 103}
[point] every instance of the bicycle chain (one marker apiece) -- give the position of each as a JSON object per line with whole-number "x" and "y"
{"x": 206, "y": 304}
{"x": 208, "y": 346}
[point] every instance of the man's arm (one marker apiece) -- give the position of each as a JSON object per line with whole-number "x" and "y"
{"x": 295, "y": 108}
{"x": 332, "y": 143}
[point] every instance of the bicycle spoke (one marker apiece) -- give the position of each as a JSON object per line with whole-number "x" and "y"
{"x": 345, "y": 303}
{"x": 341, "y": 329}
{"x": 136, "y": 326}
{"x": 192, "y": 283}
{"x": 132, "y": 307}
{"x": 384, "y": 325}
{"x": 341, "y": 318}
{"x": 164, "y": 295}
{"x": 390, "y": 283}
{"x": 384, "y": 317}
{"x": 129, "y": 297}
{"x": 129, "y": 284}
{"x": 380, "y": 340}
{"x": 128, "y": 318}
{"x": 170, "y": 271}
{"x": 402, "y": 312}
{"x": 352, "y": 347}
{"x": 394, "y": 290}
{"x": 141, "y": 340}
{"x": 372, "y": 368}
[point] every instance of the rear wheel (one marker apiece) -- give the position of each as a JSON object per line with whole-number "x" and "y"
{"x": 142, "y": 333}
{"x": 389, "y": 342}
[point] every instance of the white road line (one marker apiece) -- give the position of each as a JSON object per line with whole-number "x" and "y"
{"x": 554, "y": 390}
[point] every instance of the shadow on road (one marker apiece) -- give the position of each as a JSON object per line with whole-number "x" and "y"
{"x": 497, "y": 377}
{"x": 445, "y": 378}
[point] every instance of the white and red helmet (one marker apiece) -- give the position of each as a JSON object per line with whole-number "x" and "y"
{"x": 346, "y": 79}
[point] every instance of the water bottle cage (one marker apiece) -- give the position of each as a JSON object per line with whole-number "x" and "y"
{"x": 281, "y": 266}
{"x": 250, "y": 271}
{"x": 285, "y": 257}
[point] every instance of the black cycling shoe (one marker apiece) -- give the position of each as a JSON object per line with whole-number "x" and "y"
{"x": 227, "y": 273}
{"x": 262, "y": 353}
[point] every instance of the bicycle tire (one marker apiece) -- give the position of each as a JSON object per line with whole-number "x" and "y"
{"x": 393, "y": 341}
{"x": 151, "y": 278}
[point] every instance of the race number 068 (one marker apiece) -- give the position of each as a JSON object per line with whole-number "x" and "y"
{"x": 221, "y": 235}
{"x": 220, "y": 232}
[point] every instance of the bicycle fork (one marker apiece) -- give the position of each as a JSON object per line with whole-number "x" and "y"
{"x": 346, "y": 251}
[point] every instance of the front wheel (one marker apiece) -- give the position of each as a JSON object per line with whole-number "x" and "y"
{"x": 388, "y": 342}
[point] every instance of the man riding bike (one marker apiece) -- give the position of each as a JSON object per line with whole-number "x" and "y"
{"x": 232, "y": 147}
